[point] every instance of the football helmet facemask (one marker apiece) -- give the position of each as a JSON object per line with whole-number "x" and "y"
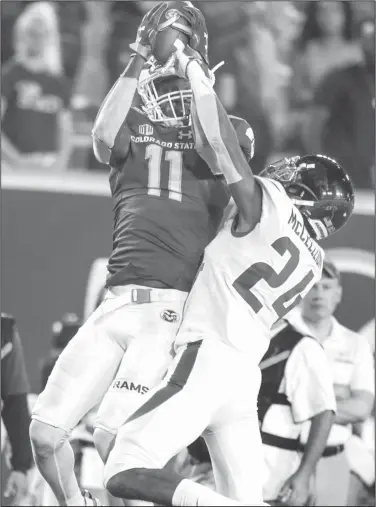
{"x": 319, "y": 187}
{"x": 166, "y": 97}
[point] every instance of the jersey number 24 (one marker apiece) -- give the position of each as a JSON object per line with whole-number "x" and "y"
{"x": 262, "y": 271}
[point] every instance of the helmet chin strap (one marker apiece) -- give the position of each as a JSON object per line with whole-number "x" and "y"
{"x": 318, "y": 228}
{"x": 213, "y": 70}
{"x": 300, "y": 202}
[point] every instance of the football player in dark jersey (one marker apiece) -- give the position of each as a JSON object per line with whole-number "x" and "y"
{"x": 167, "y": 208}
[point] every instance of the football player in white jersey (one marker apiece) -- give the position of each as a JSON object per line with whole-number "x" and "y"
{"x": 260, "y": 265}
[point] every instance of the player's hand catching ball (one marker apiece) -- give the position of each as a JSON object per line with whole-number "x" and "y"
{"x": 148, "y": 30}
{"x": 196, "y": 21}
{"x": 184, "y": 55}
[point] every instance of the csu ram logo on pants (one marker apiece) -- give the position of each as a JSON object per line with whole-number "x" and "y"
{"x": 170, "y": 316}
{"x": 121, "y": 384}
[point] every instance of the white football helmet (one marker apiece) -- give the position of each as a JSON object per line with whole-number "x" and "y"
{"x": 166, "y": 97}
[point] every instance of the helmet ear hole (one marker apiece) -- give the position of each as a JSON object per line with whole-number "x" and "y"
{"x": 320, "y": 187}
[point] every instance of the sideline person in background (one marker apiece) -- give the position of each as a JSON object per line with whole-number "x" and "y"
{"x": 15, "y": 412}
{"x": 326, "y": 43}
{"x": 296, "y": 389}
{"x": 352, "y": 367}
{"x": 72, "y": 17}
{"x": 62, "y": 332}
{"x": 342, "y": 121}
{"x": 36, "y": 124}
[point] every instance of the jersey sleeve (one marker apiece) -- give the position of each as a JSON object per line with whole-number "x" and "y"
{"x": 245, "y": 135}
{"x": 363, "y": 378}
{"x": 13, "y": 370}
{"x": 120, "y": 150}
{"x": 309, "y": 383}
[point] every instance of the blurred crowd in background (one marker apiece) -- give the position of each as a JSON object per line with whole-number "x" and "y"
{"x": 302, "y": 73}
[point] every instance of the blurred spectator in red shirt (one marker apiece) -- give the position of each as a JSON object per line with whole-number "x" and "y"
{"x": 9, "y": 14}
{"x": 72, "y": 17}
{"x": 124, "y": 18}
{"x": 342, "y": 122}
{"x": 36, "y": 125}
{"x": 326, "y": 43}
{"x": 238, "y": 81}
{"x": 273, "y": 26}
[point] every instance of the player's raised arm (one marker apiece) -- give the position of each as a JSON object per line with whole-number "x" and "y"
{"x": 118, "y": 101}
{"x": 217, "y": 142}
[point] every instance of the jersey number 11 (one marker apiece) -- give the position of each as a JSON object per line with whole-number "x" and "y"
{"x": 154, "y": 153}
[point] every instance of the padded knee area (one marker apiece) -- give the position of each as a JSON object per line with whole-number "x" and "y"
{"x": 46, "y": 439}
{"x": 104, "y": 442}
{"x": 124, "y": 484}
{"x": 125, "y": 458}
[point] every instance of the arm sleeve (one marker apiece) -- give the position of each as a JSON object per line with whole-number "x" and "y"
{"x": 363, "y": 378}
{"x": 215, "y": 137}
{"x": 14, "y": 378}
{"x": 120, "y": 149}
{"x": 309, "y": 382}
{"x": 16, "y": 417}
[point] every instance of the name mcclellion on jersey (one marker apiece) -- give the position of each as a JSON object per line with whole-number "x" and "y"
{"x": 298, "y": 227}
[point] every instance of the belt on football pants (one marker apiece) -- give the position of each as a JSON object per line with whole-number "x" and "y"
{"x": 290, "y": 444}
{"x": 142, "y": 295}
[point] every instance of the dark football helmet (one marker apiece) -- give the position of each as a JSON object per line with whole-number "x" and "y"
{"x": 319, "y": 187}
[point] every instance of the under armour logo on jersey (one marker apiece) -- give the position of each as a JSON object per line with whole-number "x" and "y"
{"x": 145, "y": 130}
{"x": 181, "y": 134}
{"x": 170, "y": 316}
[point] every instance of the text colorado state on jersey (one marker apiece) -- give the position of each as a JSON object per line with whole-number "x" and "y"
{"x": 164, "y": 144}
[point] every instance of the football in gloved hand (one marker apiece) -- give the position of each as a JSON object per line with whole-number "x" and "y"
{"x": 173, "y": 25}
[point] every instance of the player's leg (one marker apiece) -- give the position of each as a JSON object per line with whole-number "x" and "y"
{"x": 235, "y": 445}
{"x": 148, "y": 356}
{"x": 171, "y": 418}
{"x": 237, "y": 459}
{"x": 78, "y": 381}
